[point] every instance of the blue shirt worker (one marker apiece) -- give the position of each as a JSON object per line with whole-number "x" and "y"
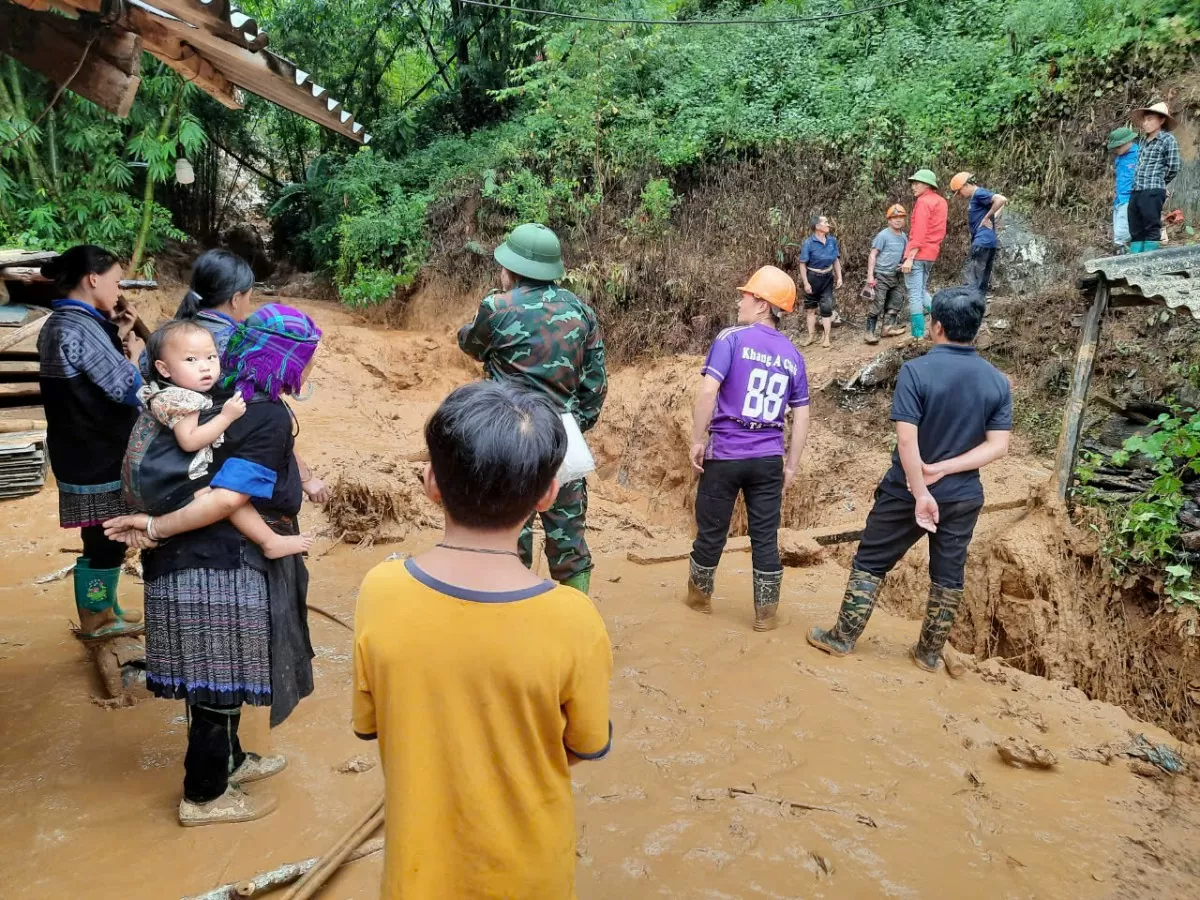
{"x": 1122, "y": 142}
{"x": 820, "y": 275}
{"x": 953, "y": 415}
{"x": 983, "y": 206}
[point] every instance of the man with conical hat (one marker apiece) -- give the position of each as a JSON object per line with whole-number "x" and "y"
{"x": 537, "y": 333}
{"x": 1158, "y": 164}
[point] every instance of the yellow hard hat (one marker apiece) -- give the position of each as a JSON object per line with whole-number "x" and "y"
{"x": 957, "y": 182}
{"x": 896, "y": 209}
{"x": 773, "y": 285}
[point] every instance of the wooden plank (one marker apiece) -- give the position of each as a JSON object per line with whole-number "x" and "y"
{"x": 166, "y": 45}
{"x": 23, "y": 426}
{"x": 23, "y": 333}
{"x": 1081, "y": 379}
{"x": 25, "y": 257}
{"x": 54, "y": 45}
{"x": 23, "y": 274}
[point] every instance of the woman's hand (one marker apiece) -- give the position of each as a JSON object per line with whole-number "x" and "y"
{"x": 124, "y": 318}
{"x": 697, "y": 456}
{"x": 316, "y": 491}
{"x": 132, "y": 522}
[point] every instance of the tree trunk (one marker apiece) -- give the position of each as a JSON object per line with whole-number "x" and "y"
{"x": 139, "y": 249}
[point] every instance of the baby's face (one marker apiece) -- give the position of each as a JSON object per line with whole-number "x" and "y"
{"x": 190, "y": 361}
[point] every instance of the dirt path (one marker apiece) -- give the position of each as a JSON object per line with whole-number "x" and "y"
{"x": 744, "y": 765}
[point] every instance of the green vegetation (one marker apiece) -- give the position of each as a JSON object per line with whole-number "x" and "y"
{"x": 1146, "y": 532}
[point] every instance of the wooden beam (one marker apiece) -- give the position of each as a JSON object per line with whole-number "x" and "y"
{"x": 1081, "y": 378}
{"x": 54, "y": 45}
{"x": 165, "y": 45}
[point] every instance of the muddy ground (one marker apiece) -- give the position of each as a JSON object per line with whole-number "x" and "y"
{"x": 744, "y": 765}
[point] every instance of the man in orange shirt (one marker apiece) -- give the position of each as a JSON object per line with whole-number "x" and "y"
{"x": 927, "y": 230}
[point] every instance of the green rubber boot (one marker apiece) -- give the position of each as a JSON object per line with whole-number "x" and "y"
{"x": 701, "y": 581}
{"x": 582, "y": 581}
{"x": 939, "y": 618}
{"x": 766, "y": 599}
{"x": 857, "y": 606}
{"x": 1137, "y": 247}
{"x": 916, "y": 325}
{"x": 96, "y": 602}
{"x": 1150, "y": 246}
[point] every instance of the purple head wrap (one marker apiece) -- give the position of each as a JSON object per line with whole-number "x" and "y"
{"x": 269, "y": 351}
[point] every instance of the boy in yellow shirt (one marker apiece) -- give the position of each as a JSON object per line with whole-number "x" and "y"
{"x": 482, "y": 682}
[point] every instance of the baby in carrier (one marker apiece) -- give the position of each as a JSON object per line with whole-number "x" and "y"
{"x": 171, "y": 450}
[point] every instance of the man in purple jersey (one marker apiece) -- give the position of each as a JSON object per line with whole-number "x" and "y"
{"x": 753, "y": 375}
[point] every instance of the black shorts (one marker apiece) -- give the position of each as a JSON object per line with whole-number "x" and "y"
{"x": 822, "y": 294}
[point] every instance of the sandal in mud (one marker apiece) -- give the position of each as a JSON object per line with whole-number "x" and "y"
{"x": 232, "y": 807}
{"x": 256, "y": 768}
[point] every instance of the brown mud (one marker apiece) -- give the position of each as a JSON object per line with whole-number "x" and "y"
{"x": 744, "y": 765}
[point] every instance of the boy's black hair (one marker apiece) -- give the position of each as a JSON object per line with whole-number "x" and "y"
{"x": 494, "y": 448}
{"x": 76, "y": 264}
{"x": 960, "y": 310}
{"x": 216, "y": 276}
{"x": 162, "y": 336}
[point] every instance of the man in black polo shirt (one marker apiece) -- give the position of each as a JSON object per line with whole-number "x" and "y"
{"x": 953, "y": 415}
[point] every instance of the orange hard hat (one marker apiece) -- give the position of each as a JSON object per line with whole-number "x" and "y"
{"x": 896, "y": 209}
{"x": 773, "y": 285}
{"x": 962, "y": 178}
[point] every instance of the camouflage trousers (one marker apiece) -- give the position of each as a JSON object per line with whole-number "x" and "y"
{"x": 565, "y": 524}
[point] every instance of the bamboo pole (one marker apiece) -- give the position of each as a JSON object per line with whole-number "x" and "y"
{"x": 333, "y": 858}
{"x": 280, "y": 876}
{"x": 1081, "y": 379}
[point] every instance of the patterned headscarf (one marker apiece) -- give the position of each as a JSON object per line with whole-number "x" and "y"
{"x": 269, "y": 351}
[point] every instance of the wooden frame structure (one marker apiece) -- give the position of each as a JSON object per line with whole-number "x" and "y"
{"x": 95, "y": 47}
{"x": 1168, "y": 278}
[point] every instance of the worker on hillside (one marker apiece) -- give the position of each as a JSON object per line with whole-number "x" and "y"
{"x": 1122, "y": 143}
{"x": 539, "y": 334}
{"x": 953, "y": 415}
{"x": 925, "y": 235}
{"x": 885, "y": 286}
{"x": 1158, "y": 164}
{"x": 820, "y": 273}
{"x": 752, "y": 376}
{"x": 983, "y": 206}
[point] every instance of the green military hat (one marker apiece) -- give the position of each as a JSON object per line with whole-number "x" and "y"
{"x": 924, "y": 176}
{"x": 1120, "y": 137}
{"x": 533, "y": 251}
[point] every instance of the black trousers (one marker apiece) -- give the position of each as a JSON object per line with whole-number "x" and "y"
{"x": 977, "y": 272}
{"x": 892, "y": 529}
{"x": 99, "y": 550}
{"x": 822, "y": 294}
{"x": 1145, "y": 215}
{"x": 760, "y": 482}
{"x": 213, "y": 751}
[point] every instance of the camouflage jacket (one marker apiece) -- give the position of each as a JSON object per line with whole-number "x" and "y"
{"x": 542, "y": 336}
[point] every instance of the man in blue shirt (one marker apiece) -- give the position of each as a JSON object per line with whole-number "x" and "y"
{"x": 820, "y": 274}
{"x": 982, "y": 208}
{"x": 1122, "y": 142}
{"x": 953, "y": 415}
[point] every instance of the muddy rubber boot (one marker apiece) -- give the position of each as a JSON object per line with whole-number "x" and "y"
{"x": 892, "y": 328}
{"x": 939, "y": 617}
{"x": 95, "y": 601}
{"x": 700, "y": 586}
{"x": 857, "y": 606}
{"x": 872, "y": 335}
{"x": 766, "y": 599}
{"x": 582, "y": 582}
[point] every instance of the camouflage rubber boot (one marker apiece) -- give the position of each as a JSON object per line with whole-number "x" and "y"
{"x": 857, "y": 607}
{"x": 872, "y": 333}
{"x": 939, "y": 617}
{"x": 766, "y": 599}
{"x": 700, "y": 586}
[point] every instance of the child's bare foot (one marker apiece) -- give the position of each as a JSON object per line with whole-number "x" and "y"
{"x": 286, "y": 545}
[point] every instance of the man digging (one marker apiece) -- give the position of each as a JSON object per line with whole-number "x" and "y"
{"x": 953, "y": 415}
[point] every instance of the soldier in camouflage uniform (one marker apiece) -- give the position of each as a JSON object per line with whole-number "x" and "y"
{"x": 542, "y": 336}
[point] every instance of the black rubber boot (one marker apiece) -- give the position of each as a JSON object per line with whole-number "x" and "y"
{"x": 766, "y": 599}
{"x": 872, "y": 335}
{"x": 939, "y": 619}
{"x": 857, "y": 606}
{"x": 700, "y": 586}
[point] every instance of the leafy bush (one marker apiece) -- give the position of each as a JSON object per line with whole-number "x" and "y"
{"x": 1147, "y": 532}
{"x": 654, "y": 212}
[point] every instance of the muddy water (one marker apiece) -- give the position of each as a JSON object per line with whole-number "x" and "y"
{"x": 744, "y": 765}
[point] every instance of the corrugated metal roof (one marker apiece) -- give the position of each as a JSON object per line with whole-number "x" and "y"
{"x": 1172, "y": 275}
